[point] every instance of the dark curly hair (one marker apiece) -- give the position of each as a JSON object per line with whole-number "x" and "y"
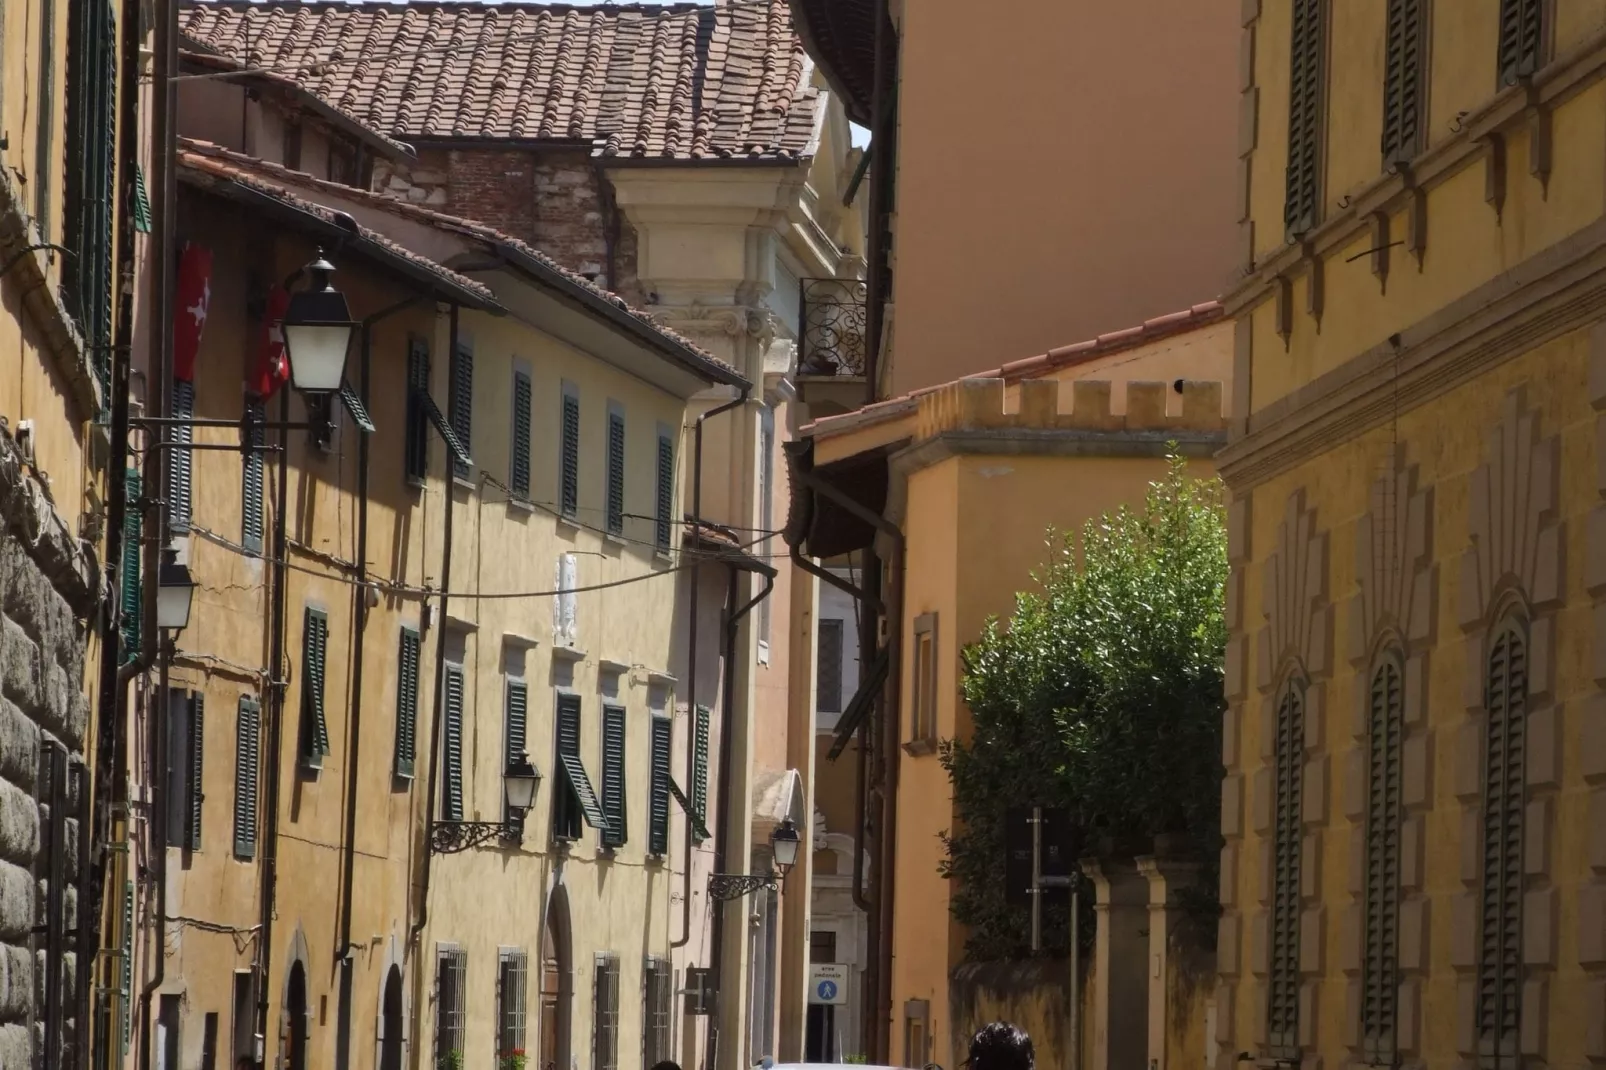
{"x": 1001, "y": 1046}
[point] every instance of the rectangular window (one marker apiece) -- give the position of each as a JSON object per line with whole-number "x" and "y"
{"x": 658, "y": 816}
{"x": 569, "y": 452}
{"x": 407, "y": 659}
{"x": 1501, "y": 975}
{"x": 451, "y": 979}
{"x": 664, "y": 507}
{"x": 575, "y": 800}
{"x": 605, "y": 1017}
{"x": 924, "y": 678}
{"x": 519, "y": 469}
{"x": 828, "y": 662}
{"x": 180, "y": 459}
{"x": 462, "y": 401}
{"x": 516, "y": 715}
{"x": 1404, "y": 78}
{"x": 822, "y": 946}
{"x": 252, "y": 485}
{"x": 209, "y": 1041}
{"x": 452, "y": 748}
{"x": 658, "y": 992}
{"x": 186, "y": 713}
{"x": 512, "y": 986}
{"x": 1307, "y": 92}
{"x": 1522, "y": 39}
{"x": 314, "y": 726}
{"x": 247, "y": 755}
{"x": 1282, "y": 1016}
{"x": 613, "y": 776}
{"x": 416, "y": 447}
{"x": 699, "y": 784}
{"x": 616, "y": 469}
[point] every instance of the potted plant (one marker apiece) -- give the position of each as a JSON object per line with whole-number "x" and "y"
{"x": 452, "y": 1060}
{"x": 512, "y": 1059}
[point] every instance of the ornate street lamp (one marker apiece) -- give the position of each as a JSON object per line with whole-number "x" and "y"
{"x": 519, "y": 784}
{"x": 317, "y": 334}
{"x": 175, "y": 591}
{"x": 784, "y": 845}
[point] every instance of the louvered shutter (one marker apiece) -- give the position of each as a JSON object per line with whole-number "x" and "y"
{"x": 658, "y": 813}
{"x": 463, "y": 405}
{"x": 616, "y": 472}
{"x": 519, "y": 473}
{"x": 515, "y": 743}
{"x": 416, "y": 447}
{"x": 569, "y": 472}
{"x": 142, "y": 202}
{"x": 1522, "y": 36}
{"x": 1383, "y": 814}
{"x": 314, "y": 727}
{"x": 1500, "y": 975}
{"x": 252, "y": 485}
{"x": 1283, "y": 990}
{"x": 1306, "y": 92}
{"x": 699, "y": 784}
{"x": 126, "y": 982}
{"x": 613, "y": 777}
{"x": 91, "y": 171}
{"x": 665, "y": 505}
{"x": 247, "y": 750}
{"x": 192, "y": 833}
{"x": 407, "y": 703}
{"x": 132, "y": 603}
{"x": 452, "y": 802}
{"x": 180, "y": 459}
{"x": 1402, "y": 81}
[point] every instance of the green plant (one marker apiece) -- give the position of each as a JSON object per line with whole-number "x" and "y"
{"x": 512, "y": 1059}
{"x": 856, "y": 1060}
{"x": 1101, "y": 694}
{"x": 452, "y": 1060}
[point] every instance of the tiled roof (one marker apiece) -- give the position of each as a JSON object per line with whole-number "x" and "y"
{"x": 279, "y": 175}
{"x": 637, "y": 81}
{"x": 1189, "y": 319}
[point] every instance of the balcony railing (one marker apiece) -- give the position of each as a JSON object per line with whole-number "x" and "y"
{"x": 833, "y": 317}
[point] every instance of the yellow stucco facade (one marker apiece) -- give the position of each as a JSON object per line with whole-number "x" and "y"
{"x": 1417, "y": 469}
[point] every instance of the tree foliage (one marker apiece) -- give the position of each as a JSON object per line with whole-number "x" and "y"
{"x": 1102, "y": 694}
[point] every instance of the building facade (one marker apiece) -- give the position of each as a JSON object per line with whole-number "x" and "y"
{"x": 1411, "y": 869}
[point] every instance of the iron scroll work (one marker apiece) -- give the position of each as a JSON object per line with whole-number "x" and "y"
{"x": 725, "y": 887}
{"x": 450, "y": 837}
{"x": 833, "y": 316}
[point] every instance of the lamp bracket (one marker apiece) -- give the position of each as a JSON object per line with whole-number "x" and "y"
{"x": 727, "y": 887}
{"x": 450, "y": 837}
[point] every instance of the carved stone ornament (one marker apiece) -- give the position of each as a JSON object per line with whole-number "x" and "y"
{"x": 1294, "y": 598}
{"x": 1393, "y": 546}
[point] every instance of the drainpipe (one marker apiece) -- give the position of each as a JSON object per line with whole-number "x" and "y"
{"x": 691, "y": 648}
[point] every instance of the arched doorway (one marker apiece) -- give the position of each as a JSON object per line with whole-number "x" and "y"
{"x": 557, "y": 983}
{"x": 297, "y": 1021}
{"x": 390, "y": 1022}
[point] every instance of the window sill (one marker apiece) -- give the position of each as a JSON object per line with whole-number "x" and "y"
{"x": 920, "y": 748}
{"x": 520, "y": 505}
{"x": 568, "y": 526}
{"x": 614, "y": 541}
{"x": 468, "y": 485}
{"x": 661, "y": 556}
{"x": 417, "y": 483}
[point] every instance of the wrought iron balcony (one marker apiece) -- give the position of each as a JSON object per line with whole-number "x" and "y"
{"x": 833, "y": 317}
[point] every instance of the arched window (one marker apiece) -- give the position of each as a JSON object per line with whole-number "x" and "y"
{"x": 1282, "y": 1011}
{"x": 1380, "y": 977}
{"x": 1500, "y": 930}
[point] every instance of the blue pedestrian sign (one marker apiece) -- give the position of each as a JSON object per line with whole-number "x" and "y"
{"x": 826, "y": 990}
{"x": 828, "y": 982}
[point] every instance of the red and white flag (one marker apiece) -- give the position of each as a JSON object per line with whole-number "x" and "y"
{"x": 271, "y": 367}
{"x": 189, "y": 317}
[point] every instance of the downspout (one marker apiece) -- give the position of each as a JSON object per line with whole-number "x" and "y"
{"x": 691, "y": 649}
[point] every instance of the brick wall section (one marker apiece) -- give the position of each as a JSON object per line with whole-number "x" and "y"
{"x": 553, "y": 199}
{"x": 48, "y": 590}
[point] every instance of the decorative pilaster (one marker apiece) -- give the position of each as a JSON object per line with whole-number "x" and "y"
{"x": 1120, "y": 965}
{"x": 1166, "y": 878}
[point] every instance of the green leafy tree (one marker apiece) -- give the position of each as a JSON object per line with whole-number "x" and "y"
{"x": 1102, "y": 694}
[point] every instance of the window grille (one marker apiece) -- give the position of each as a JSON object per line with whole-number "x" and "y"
{"x": 605, "y": 1017}
{"x": 657, "y": 1006}
{"x": 512, "y": 984}
{"x": 451, "y": 978}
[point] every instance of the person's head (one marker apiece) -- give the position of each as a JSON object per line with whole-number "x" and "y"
{"x": 1001, "y": 1046}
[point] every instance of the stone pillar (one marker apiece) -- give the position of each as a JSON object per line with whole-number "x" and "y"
{"x": 1120, "y": 965}
{"x": 1165, "y": 878}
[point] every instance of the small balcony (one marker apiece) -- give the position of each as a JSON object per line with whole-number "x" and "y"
{"x": 832, "y": 314}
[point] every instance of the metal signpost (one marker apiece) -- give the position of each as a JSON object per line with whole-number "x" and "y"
{"x": 1040, "y": 884}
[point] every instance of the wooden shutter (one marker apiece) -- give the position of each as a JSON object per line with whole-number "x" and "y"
{"x": 519, "y": 473}
{"x": 616, "y": 472}
{"x": 1283, "y": 990}
{"x": 89, "y": 179}
{"x": 605, "y": 1021}
{"x": 452, "y": 800}
{"x": 699, "y": 784}
{"x": 569, "y": 460}
{"x": 1500, "y": 974}
{"x": 180, "y": 459}
{"x": 1522, "y": 38}
{"x": 142, "y": 202}
{"x": 416, "y": 448}
{"x": 126, "y": 982}
{"x": 613, "y": 777}
{"x": 1306, "y": 107}
{"x": 314, "y": 727}
{"x": 407, "y": 703}
{"x": 252, "y": 485}
{"x": 578, "y": 783}
{"x": 132, "y": 605}
{"x": 1403, "y": 81}
{"x": 247, "y": 752}
{"x": 828, "y": 667}
{"x": 515, "y": 727}
{"x": 1382, "y": 903}
{"x": 665, "y": 505}
{"x": 658, "y": 811}
{"x": 197, "y": 797}
{"x": 463, "y": 404}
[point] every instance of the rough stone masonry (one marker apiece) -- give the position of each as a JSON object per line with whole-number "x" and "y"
{"x": 49, "y": 591}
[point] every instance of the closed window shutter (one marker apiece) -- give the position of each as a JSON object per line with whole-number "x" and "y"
{"x": 520, "y": 469}
{"x": 1402, "y": 81}
{"x": 452, "y": 802}
{"x": 192, "y": 833}
{"x": 569, "y": 474}
{"x": 463, "y": 405}
{"x": 407, "y": 703}
{"x": 132, "y": 608}
{"x": 1500, "y": 975}
{"x": 616, "y": 472}
{"x": 416, "y": 447}
{"x": 247, "y": 751}
{"x": 613, "y": 777}
{"x": 1381, "y": 965}
{"x": 252, "y": 486}
{"x": 658, "y": 815}
{"x": 180, "y": 459}
{"x": 1522, "y": 36}
{"x": 126, "y": 984}
{"x": 699, "y": 784}
{"x": 515, "y": 743}
{"x": 1306, "y": 93}
{"x": 314, "y": 728}
{"x": 1283, "y": 990}
{"x": 605, "y": 1026}
{"x": 665, "y": 505}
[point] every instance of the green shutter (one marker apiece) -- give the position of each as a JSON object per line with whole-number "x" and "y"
{"x": 1380, "y": 966}
{"x": 180, "y": 459}
{"x": 126, "y": 982}
{"x": 251, "y": 485}
{"x": 1500, "y": 953}
{"x": 192, "y": 838}
{"x": 247, "y": 753}
{"x": 515, "y": 743}
{"x": 132, "y": 607}
{"x": 1522, "y": 37}
{"x": 665, "y": 504}
{"x": 1402, "y": 82}
{"x": 1283, "y": 987}
{"x": 617, "y": 834}
{"x": 699, "y": 784}
{"x": 658, "y": 810}
{"x": 463, "y": 405}
{"x": 1306, "y": 107}
{"x": 416, "y": 447}
{"x": 142, "y": 202}
{"x": 406, "y": 703}
{"x": 520, "y": 469}
{"x": 616, "y": 472}
{"x": 577, "y": 781}
{"x": 452, "y": 798}
{"x": 569, "y": 473}
{"x": 314, "y": 726}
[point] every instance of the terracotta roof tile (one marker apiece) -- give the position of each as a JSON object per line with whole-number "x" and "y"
{"x": 639, "y": 81}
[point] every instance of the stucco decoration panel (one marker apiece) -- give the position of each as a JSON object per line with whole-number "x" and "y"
{"x": 1294, "y": 599}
